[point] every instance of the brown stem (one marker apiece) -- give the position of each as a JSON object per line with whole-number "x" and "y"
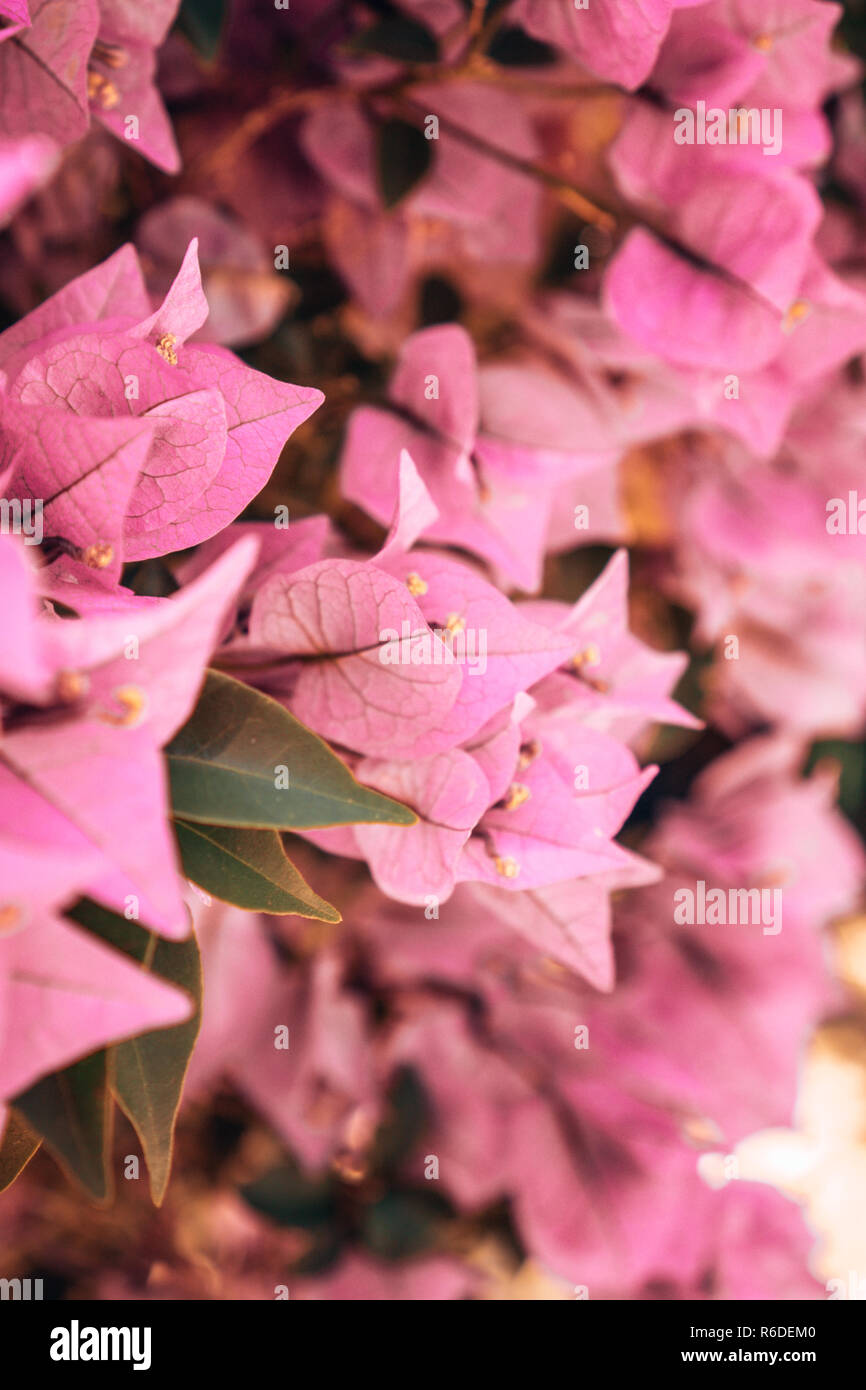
{"x": 475, "y": 27}
{"x": 254, "y": 125}
{"x": 567, "y": 193}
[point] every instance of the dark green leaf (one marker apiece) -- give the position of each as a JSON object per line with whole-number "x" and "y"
{"x": 17, "y": 1147}
{"x": 400, "y": 1224}
{"x": 149, "y": 1071}
{"x": 290, "y": 1198}
{"x": 403, "y": 156}
{"x": 398, "y": 36}
{"x": 71, "y": 1110}
{"x": 326, "y": 1245}
{"x": 224, "y": 767}
{"x": 248, "y": 868}
{"x": 407, "y": 1115}
{"x": 203, "y": 21}
{"x": 850, "y": 758}
{"x": 513, "y": 48}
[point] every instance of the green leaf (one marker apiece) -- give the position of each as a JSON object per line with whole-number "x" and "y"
{"x": 17, "y": 1147}
{"x": 850, "y": 758}
{"x": 407, "y": 1115}
{"x": 71, "y": 1110}
{"x": 149, "y": 1070}
{"x": 248, "y": 868}
{"x": 398, "y": 36}
{"x": 401, "y": 1224}
{"x": 224, "y": 768}
{"x": 514, "y": 48}
{"x": 403, "y": 156}
{"x": 289, "y": 1197}
{"x": 202, "y": 21}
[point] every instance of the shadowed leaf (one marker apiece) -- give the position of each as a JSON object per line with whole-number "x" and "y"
{"x": 250, "y": 869}
{"x": 398, "y": 36}
{"x": 149, "y": 1070}
{"x": 403, "y": 156}
{"x": 203, "y": 21}
{"x": 17, "y": 1147}
{"x": 71, "y": 1110}
{"x": 224, "y": 768}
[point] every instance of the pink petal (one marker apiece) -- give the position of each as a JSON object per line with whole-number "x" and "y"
{"x": 67, "y": 994}
{"x": 336, "y": 612}
{"x": 450, "y": 794}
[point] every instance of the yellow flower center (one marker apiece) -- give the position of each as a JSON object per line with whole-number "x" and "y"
{"x": 516, "y": 795}
{"x": 102, "y": 90}
{"x": 416, "y": 585}
{"x": 98, "y": 556}
{"x": 506, "y": 866}
{"x": 166, "y": 347}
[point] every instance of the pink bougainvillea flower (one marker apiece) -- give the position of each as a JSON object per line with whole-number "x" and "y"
{"x": 761, "y": 1247}
{"x": 599, "y": 1185}
{"x": 24, "y": 165}
{"x": 749, "y": 824}
{"x": 137, "y": 442}
{"x": 608, "y": 1225}
{"x": 659, "y": 297}
{"x": 504, "y": 813}
{"x": 620, "y": 394}
{"x": 572, "y": 793}
{"x": 310, "y": 1087}
{"x": 581, "y": 1212}
{"x": 531, "y": 798}
{"x": 63, "y": 993}
{"x": 468, "y": 200}
{"x": 449, "y": 794}
{"x": 752, "y": 818}
{"x": 14, "y": 12}
{"x": 64, "y": 59}
{"x": 615, "y": 680}
{"x": 120, "y": 77}
{"x": 785, "y": 601}
{"x": 568, "y": 922}
{"x": 500, "y": 652}
{"x": 616, "y": 40}
{"x": 751, "y": 228}
{"x": 328, "y": 625}
{"x": 43, "y": 69}
{"x": 408, "y": 654}
{"x": 753, "y": 55}
{"x": 246, "y": 297}
{"x": 281, "y": 550}
{"x": 90, "y": 776}
{"x": 25, "y": 671}
{"x": 725, "y": 1011}
{"x": 564, "y": 926}
{"x": 492, "y": 490}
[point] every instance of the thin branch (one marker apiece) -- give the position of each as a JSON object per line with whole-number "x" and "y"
{"x": 567, "y": 192}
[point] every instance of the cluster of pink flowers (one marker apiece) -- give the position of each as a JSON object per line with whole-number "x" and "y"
{"x": 694, "y": 388}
